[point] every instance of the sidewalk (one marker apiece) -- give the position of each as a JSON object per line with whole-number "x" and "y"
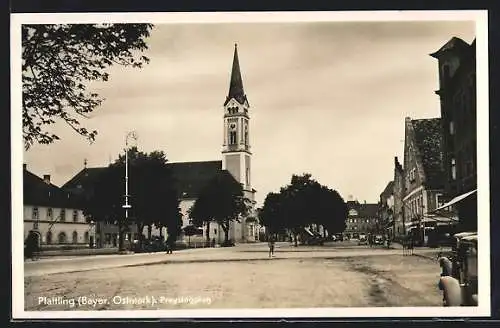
{"x": 424, "y": 251}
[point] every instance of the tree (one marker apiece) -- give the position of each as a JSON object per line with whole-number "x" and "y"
{"x": 332, "y": 210}
{"x": 221, "y": 201}
{"x": 271, "y": 214}
{"x": 58, "y": 61}
{"x": 301, "y": 203}
{"x": 153, "y": 197}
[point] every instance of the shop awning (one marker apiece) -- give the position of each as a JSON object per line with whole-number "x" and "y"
{"x": 454, "y": 201}
{"x": 439, "y": 219}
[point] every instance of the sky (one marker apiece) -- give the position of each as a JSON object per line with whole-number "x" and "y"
{"x": 327, "y": 98}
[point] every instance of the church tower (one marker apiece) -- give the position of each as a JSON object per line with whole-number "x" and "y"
{"x": 236, "y": 155}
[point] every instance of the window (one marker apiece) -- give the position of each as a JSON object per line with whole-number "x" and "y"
{"x": 34, "y": 214}
{"x": 63, "y": 215}
{"x": 453, "y": 169}
{"x": 75, "y": 216}
{"x": 248, "y": 176}
{"x": 246, "y": 133}
{"x": 215, "y": 231}
{"x": 75, "y": 237}
{"x": 49, "y": 214}
{"x": 452, "y": 128}
{"x": 49, "y": 237}
{"x": 232, "y": 137}
{"x": 439, "y": 200}
{"x": 62, "y": 239}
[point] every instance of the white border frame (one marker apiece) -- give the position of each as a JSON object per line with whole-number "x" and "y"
{"x": 479, "y": 16}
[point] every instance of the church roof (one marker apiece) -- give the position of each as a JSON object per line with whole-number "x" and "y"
{"x": 37, "y": 192}
{"x": 189, "y": 177}
{"x": 428, "y": 139}
{"x": 85, "y": 177}
{"x": 236, "y": 84}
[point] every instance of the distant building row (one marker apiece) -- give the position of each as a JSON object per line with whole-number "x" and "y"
{"x": 439, "y": 166}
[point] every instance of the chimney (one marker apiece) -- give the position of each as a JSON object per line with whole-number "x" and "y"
{"x": 24, "y": 166}
{"x": 46, "y": 178}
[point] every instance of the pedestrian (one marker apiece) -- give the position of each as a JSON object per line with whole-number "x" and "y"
{"x": 170, "y": 245}
{"x": 271, "y": 246}
{"x": 31, "y": 246}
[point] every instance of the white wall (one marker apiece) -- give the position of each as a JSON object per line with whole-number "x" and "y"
{"x": 68, "y": 226}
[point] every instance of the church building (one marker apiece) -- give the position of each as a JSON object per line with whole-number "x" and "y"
{"x": 191, "y": 177}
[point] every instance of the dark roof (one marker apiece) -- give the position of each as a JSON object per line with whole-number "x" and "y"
{"x": 191, "y": 177}
{"x": 428, "y": 139}
{"x": 37, "y": 192}
{"x": 454, "y": 44}
{"x": 84, "y": 178}
{"x": 368, "y": 210}
{"x": 236, "y": 84}
{"x": 364, "y": 210}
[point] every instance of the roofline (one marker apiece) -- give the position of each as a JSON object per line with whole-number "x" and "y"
{"x": 190, "y": 162}
{"x": 41, "y": 179}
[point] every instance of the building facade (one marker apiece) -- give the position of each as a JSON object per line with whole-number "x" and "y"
{"x": 386, "y": 209}
{"x": 362, "y": 218}
{"x": 457, "y": 93}
{"x": 424, "y": 178}
{"x": 191, "y": 177}
{"x": 398, "y": 194}
{"x": 54, "y": 215}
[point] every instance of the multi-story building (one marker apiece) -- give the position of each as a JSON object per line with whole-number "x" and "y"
{"x": 386, "y": 209}
{"x": 54, "y": 215}
{"x": 424, "y": 178}
{"x": 457, "y": 93}
{"x": 361, "y": 218}
{"x": 399, "y": 193}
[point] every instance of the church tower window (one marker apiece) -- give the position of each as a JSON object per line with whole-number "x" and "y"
{"x": 232, "y": 137}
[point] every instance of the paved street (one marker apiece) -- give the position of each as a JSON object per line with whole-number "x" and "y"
{"x": 237, "y": 277}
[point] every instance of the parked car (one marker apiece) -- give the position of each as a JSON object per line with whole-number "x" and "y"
{"x": 459, "y": 272}
{"x": 378, "y": 240}
{"x": 339, "y": 237}
{"x": 363, "y": 240}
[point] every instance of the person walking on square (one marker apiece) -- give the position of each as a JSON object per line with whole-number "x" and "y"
{"x": 271, "y": 246}
{"x": 170, "y": 244}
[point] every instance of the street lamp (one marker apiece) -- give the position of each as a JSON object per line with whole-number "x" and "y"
{"x": 92, "y": 234}
{"x": 126, "y": 206}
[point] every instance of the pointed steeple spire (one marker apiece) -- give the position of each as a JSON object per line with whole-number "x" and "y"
{"x": 236, "y": 85}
